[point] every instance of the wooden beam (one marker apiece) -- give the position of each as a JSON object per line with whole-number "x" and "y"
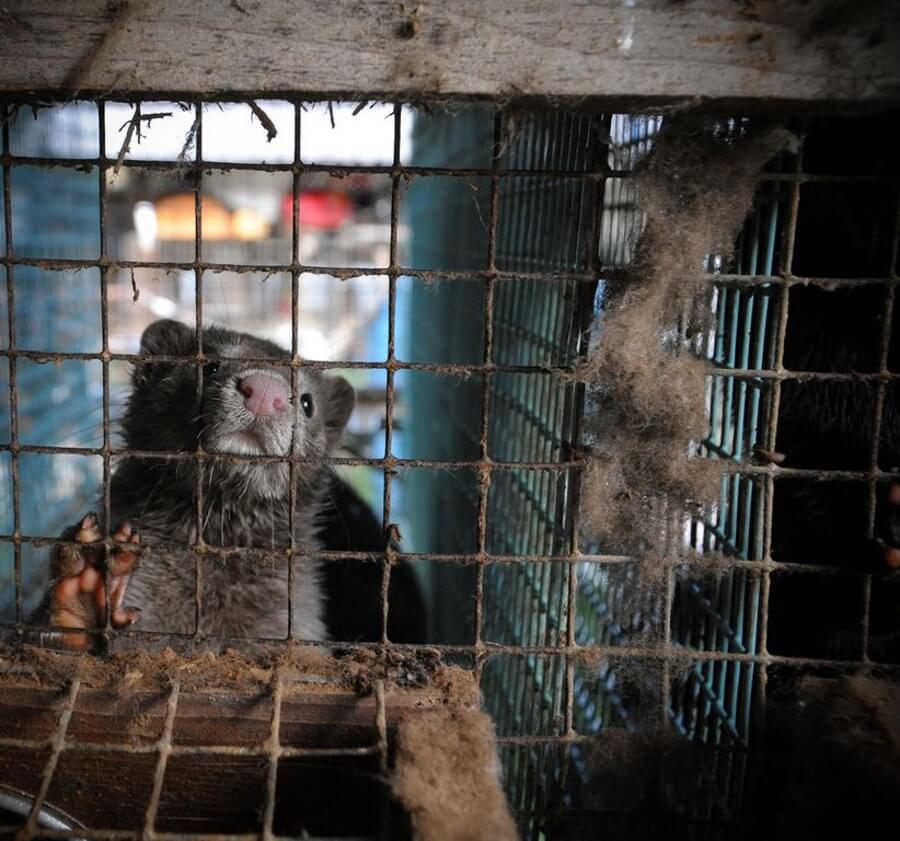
{"x": 640, "y": 51}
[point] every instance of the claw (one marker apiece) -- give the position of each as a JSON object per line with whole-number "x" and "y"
{"x": 88, "y": 530}
{"x": 124, "y": 556}
{"x": 122, "y": 617}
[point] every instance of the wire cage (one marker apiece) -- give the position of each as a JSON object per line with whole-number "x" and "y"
{"x": 532, "y": 611}
{"x": 480, "y": 240}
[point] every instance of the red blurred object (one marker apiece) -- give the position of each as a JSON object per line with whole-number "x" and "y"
{"x": 320, "y": 209}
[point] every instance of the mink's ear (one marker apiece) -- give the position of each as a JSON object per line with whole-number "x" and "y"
{"x": 339, "y": 399}
{"x": 163, "y": 338}
{"x": 168, "y": 338}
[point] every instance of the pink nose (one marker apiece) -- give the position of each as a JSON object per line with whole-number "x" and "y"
{"x": 263, "y": 394}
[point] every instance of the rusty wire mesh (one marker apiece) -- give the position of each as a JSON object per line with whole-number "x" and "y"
{"x": 262, "y": 767}
{"x": 553, "y": 211}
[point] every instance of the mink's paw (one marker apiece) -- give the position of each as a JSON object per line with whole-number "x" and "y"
{"x": 78, "y": 596}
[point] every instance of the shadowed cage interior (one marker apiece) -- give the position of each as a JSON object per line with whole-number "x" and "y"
{"x": 473, "y": 264}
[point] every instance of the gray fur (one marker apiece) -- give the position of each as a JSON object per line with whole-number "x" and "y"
{"x": 244, "y": 504}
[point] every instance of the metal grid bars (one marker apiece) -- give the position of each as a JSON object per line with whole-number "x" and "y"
{"x": 511, "y": 453}
{"x": 750, "y": 421}
{"x": 169, "y": 780}
{"x": 500, "y": 225}
{"x": 607, "y": 614}
{"x": 491, "y": 270}
{"x": 800, "y": 406}
{"x": 537, "y": 220}
{"x": 536, "y": 417}
{"x": 713, "y": 702}
{"x": 195, "y": 170}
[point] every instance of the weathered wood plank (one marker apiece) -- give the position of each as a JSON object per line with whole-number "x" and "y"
{"x": 653, "y": 51}
{"x": 110, "y": 789}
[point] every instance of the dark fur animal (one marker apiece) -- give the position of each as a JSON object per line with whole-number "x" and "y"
{"x": 844, "y": 229}
{"x": 244, "y": 410}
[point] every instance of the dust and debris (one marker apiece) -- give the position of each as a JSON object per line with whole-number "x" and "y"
{"x": 131, "y": 127}
{"x": 368, "y": 667}
{"x": 135, "y": 292}
{"x": 302, "y": 668}
{"x": 409, "y": 670}
{"x": 411, "y": 24}
{"x": 760, "y": 455}
{"x": 646, "y": 406}
{"x": 265, "y": 120}
{"x": 133, "y": 670}
{"x": 190, "y": 137}
{"x": 447, "y": 776}
{"x": 395, "y": 538}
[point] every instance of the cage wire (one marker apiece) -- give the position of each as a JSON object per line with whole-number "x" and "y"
{"x": 546, "y": 706}
{"x": 500, "y": 225}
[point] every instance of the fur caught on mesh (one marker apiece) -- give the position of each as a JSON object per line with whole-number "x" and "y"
{"x": 646, "y": 388}
{"x": 447, "y": 775}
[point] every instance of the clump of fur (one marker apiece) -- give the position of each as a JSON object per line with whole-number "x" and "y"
{"x": 646, "y": 389}
{"x": 448, "y": 777}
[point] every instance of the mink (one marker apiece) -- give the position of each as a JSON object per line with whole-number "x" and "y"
{"x": 845, "y": 229}
{"x": 244, "y": 409}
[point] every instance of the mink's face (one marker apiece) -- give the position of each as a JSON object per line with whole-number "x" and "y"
{"x": 245, "y": 408}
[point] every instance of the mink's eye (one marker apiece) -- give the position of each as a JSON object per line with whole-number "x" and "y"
{"x": 306, "y": 402}
{"x": 210, "y": 370}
